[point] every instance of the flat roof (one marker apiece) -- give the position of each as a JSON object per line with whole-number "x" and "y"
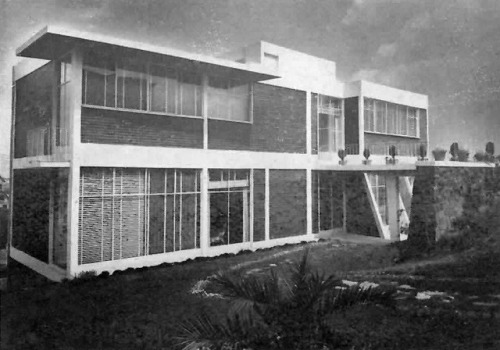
{"x": 53, "y": 42}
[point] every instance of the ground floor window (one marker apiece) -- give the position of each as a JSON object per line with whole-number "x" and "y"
{"x": 128, "y": 212}
{"x": 229, "y": 194}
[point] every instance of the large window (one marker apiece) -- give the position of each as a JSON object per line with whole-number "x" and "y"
{"x": 228, "y": 99}
{"x": 389, "y": 118}
{"x": 229, "y": 196}
{"x": 143, "y": 87}
{"x": 125, "y": 212}
{"x": 330, "y": 124}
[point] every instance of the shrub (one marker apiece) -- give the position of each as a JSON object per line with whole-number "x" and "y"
{"x": 490, "y": 148}
{"x": 282, "y": 310}
{"x": 454, "y": 151}
{"x": 341, "y": 154}
{"x": 366, "y": 153}
{"x": 422, "y": 151}
{"x": 439, "y": 154}
{"x": 480, "y": 156}
{"x": 463, "y": 155}
{"x": 393, "y": 151}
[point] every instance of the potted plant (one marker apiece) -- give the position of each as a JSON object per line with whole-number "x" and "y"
{"x": 454, "y": 151}
{"x": 422, "y": 152}
{"x": 480, "y": 156}
{"x": 438, "y": 153}
{"x": 366, "y": 154}
{"x": 392, "y": 153}
{"x": 463, "y": 155}
{"x": 341, "y": 154}
{"x": 490, "y": 151}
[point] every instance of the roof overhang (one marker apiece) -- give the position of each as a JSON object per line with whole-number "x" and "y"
{"x": 53, "y": 42}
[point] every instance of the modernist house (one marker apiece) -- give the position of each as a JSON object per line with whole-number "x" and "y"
{"x": 130, "y": 155}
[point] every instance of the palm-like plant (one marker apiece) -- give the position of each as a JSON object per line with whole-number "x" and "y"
{"x": 287, "y": 310}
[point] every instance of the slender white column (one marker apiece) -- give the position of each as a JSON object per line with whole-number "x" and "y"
{"x": 309, "y": 201}
{"x": 266, "y": 206}
{"x": 308, "y": 122}
{"x": 204, "y": 213}
{"x": 74, "y": 123}
{"x": 361, "y": 121}
{"x": 204, "y": 103}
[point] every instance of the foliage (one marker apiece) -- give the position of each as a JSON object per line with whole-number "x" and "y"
{"x": 366, "y": 153}
{"x": 463, "y": 155}
{"x": 341, "y": 154}
{"x": 393, "y": 151}
{"x": 454, "y": 150}
{"x": 439, "y": 154}
{"x": 289, "y": 310}
{"x": 422, "y": 151}
{"x": 490, "y": 148}
{"x": 480, "y": 156}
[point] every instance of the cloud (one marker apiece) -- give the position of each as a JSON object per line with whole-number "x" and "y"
{"x": 387, "y": 50}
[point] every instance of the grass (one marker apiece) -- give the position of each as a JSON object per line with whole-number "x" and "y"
{"x": 142, "y": 309}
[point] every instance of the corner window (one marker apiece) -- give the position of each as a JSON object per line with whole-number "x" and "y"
{"x": 390, "y": 118}
{"x": 228, "y": 99}
{"x": 143, "y": 87}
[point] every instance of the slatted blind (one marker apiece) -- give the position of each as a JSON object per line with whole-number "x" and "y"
{"x": 127, "y": 212}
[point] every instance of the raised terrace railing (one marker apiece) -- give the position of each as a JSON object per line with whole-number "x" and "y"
{"x": 402, "y": 149}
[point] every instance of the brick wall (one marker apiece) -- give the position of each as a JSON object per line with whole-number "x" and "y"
{"x": 128, "y": 128}
{"x": 33, "y": 106}
{"x": 287, "y": 203}
{"x": 279, "y": 123}
{"x": 351, "y": 114}
{"x": 259, "y": 198}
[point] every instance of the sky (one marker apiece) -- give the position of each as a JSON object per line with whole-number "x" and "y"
{"x": 447, "y": 49}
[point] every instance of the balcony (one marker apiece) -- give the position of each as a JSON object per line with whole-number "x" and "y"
{"x": 382, "y": 149}
{"x": 47, "y": 145}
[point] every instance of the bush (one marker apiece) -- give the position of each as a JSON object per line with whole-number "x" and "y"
{"x": 480, "y": 156}
{"x": 463, "y": 155}
{"x": 439, "y": 154}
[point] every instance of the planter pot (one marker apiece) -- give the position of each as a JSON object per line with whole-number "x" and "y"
{"x": 367, "y": 161}
{"x": 342, "y": 162}
{"x": 391, "y": 161}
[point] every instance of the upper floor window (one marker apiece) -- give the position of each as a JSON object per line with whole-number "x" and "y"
{"x": 390, "y": 118}
{"x": 330, "y": 127}
{"x": 228, "y": 99}
{"x": 144, "y": 87}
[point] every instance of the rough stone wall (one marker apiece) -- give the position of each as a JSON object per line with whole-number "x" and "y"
{"x": 445, "y": 196}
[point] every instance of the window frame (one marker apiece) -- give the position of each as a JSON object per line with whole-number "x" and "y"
{"x": 396, "y": 122}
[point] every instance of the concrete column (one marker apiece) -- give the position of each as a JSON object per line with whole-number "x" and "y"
{"x": 74, "y": 123}
{"x": 204, "y": 213}
{"x": 392, "y": 190}
{"x": 309, "y": 201}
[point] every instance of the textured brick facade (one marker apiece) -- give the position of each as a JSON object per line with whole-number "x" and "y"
{"x": 259, "y": 199}
{"x": 128, "y": 128}
{"x": 360, "y": 217}
{"x": 351, "y": 114}
{"x": 279, "y": 124}
{"x": 287, "y": 203}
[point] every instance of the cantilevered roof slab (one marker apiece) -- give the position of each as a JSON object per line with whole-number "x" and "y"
{"x": 53, "y": 42}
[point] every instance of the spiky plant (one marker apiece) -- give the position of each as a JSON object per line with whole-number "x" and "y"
{"x": 289, "y": 309}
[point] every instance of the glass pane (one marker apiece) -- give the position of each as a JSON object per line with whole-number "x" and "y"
{"x": 391, "y": 118}
{"x": 402, "y": 118}
{"x": 381, "y": 121}
{"x": 94, "y": 87}
{"x": 236, "y": 222}
{"x": 158, "y": 89}
{"x": 172, "y": 92}
{"x": 190, "y": 87}
{"x": 218, "y": 218}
